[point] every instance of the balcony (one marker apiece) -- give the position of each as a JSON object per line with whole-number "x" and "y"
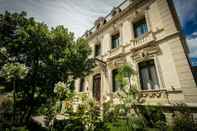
{"x": 143, "y": 41}
{"x": 116, "y": 52}
{"x": 161, "y": 96}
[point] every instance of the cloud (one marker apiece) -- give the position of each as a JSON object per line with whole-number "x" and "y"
{"x": 186, "y": 9}
{"x": 192, "y": 44}
{"x": 193, "y": 35}
{"x": 77, "y": 15}
{"x": 187, "y": 13}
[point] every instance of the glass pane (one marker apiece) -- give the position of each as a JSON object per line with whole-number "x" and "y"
{"x": 140, "y": 28}
{"x": 97, "y": 50}
{"x": 148, "y": 75}
{"x": 115, "y": 83}
{"x": 96, "y": 86}
{"x": 145, "y": 80}
{"x": 145, "y": 29}
{"x": 115, "y": 41}
{"x": 154, "y": 77}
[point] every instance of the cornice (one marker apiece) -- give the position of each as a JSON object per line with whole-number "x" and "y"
{"x": 114, "y": 19}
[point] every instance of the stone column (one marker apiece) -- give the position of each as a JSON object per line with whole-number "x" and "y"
{"x": 110, "y": 81}
{"x": 159, "y": 72}
{"x": 106, "y": 43}
{"x": 148, "y": 20}
{"x": 132, "y": 31}
{"x": 120, "y": 28}
{"x": 127, "y": 31}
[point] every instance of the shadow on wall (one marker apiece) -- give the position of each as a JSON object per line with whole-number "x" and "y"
{"x": 194, "y": 71}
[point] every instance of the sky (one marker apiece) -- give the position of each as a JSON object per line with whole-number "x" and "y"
{"x": 79, "y": 15}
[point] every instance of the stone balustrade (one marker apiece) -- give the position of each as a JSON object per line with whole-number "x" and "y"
{"x": 142, "y": 41}
{"x": 116, "y": 52}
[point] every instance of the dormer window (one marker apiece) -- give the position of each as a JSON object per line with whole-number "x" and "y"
{"x": 99, "y": 22}
{"x": 140, "y": 28}
{"x": 97, "y": 50}
{"x": 115, "y": 11}
{"x": 115, "y": 40}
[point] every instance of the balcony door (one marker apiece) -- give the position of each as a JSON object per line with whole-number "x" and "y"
{"x": 97, "y": 87}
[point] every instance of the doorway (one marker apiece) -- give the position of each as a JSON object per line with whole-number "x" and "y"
{"x": 97, "y": 87}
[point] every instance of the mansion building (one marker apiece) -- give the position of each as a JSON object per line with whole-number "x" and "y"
{"x": 147, "y": 35}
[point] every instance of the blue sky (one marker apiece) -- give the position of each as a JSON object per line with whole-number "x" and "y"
{"x": 187, "y": 12}
{"x": 79, "y": 15}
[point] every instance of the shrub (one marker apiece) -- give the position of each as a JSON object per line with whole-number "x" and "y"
{"x": 183, "y": 119}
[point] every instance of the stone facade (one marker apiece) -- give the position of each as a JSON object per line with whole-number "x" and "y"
{"x": 161, "y": 43}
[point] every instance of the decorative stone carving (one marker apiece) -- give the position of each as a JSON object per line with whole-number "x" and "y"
{"x": 99, "y": 22}
{"x": 146, "y": 53}
{"x": 117, "y": 62}
{"x": 131, "y": 1}
{"x": 135, "y": 14}
{"x": 88, "y": 33}
{"x": 152, "y": 94}
{"x": 115, "y": 11}
{"x": 102, "y": 65}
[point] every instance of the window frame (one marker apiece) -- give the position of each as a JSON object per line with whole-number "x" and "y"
{"x": 149, "y": 64}
{"x": 97, "y": 77}
{"x": 115, "y": 37}
{"x": 138, "y": 24}
{"x": 95, "y": 50}
{"x": 115, "y": 84}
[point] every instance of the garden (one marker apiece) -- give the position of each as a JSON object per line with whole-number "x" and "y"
{"x": 38, "y": 67}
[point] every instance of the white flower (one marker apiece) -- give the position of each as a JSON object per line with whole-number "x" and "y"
{"x": 13, "y": 71}
{"x": 60, "y": 88}
{"x": 3, "y": 50}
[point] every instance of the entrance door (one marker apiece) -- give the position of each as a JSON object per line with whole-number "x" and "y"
{"x": 97, "y": 87}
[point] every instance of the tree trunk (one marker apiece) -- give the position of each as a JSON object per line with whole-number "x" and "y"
{"x": 14, "y": 102}
{"x": 24, "y": 111}
{"x": 29, "y": 114}
{"x": 31, "y": 106}
{"x": 31, "y": 100}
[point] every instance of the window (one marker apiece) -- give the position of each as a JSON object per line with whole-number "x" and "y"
{"x": 148, "y": 75}
{"x": 115, "y": 83}
{"x": 97, "y": 87}
{"x": 115, "y": 40}
{"x": 81, "y": 86}
{"x": 140, "y": 28}
{"x": 97, "y": 50}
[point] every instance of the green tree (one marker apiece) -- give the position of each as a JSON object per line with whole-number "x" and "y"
{"x": 126, "y": 71}
{"x": 51, "y": 55}
{"x": 11, "y": 72}
{"x": 129, "y": 115}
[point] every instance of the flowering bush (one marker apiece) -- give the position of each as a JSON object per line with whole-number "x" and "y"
{"x": 13, "y": 71}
